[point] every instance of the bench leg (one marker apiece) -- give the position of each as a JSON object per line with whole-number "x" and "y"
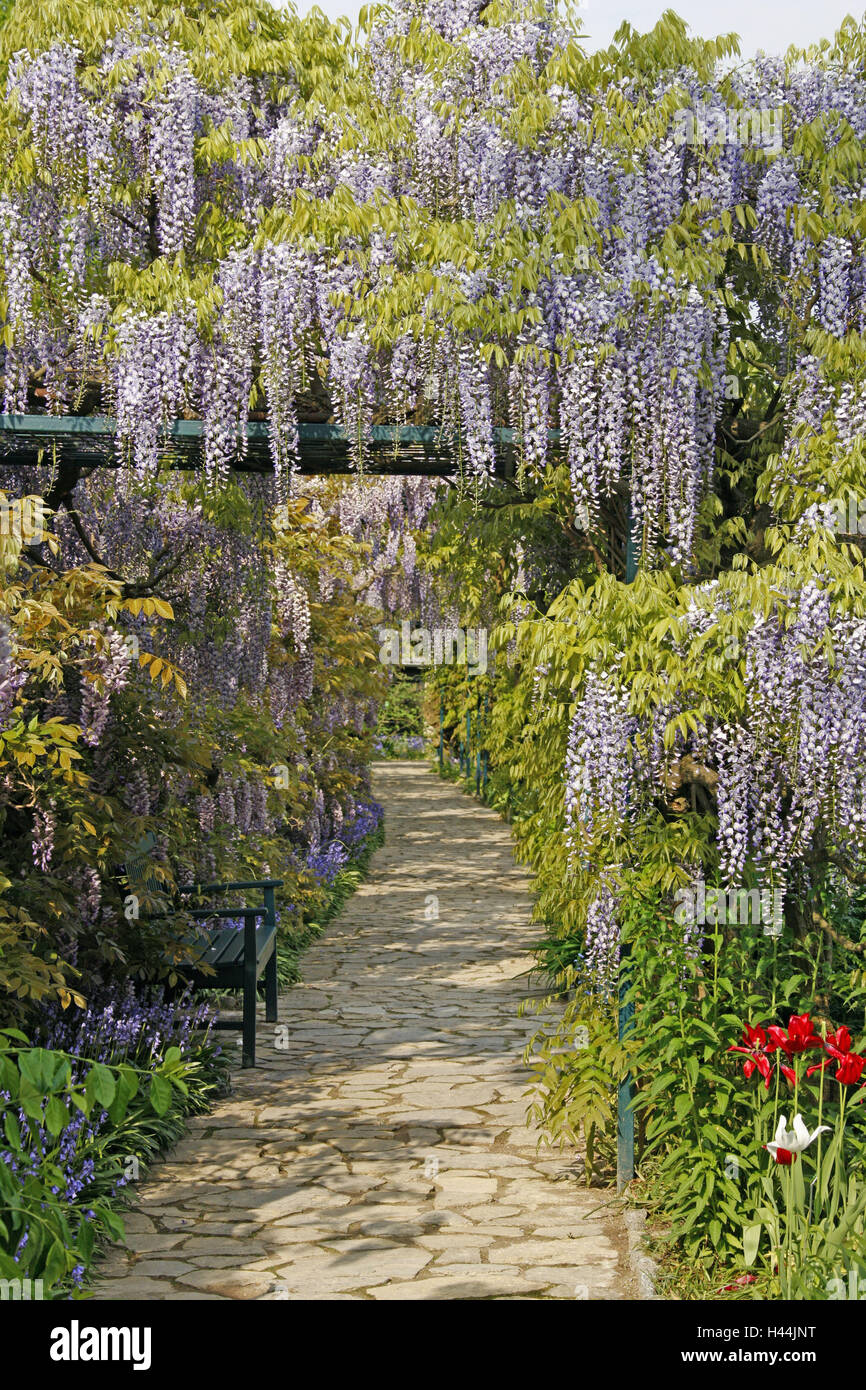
{"x": 271, "y": 988}
{"x": 250, "y": 993}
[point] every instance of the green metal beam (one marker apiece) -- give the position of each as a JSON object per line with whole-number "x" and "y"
{"x": 89, "y": 440}
{"x": 66, "y": 425}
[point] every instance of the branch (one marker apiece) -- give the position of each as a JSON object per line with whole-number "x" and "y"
{"x": 130, "y": 222}
{"x": 131, "y": 588}
{"x": 47, "y": 287}
{"x": 749, "y": 438}
{"x": 582, "y": 540}
{"x": 88, "y": 543}
{"x": 153, "y": 228}
{"x": 686, "y": 770}
{"x": 852, "y": 875}
{"x": 65, "y": 482}
{"x": 859, "y": 948}
{"x": 147, "y": 586}
{"x": 802, "y": 319}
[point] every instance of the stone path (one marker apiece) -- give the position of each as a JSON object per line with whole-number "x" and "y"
{"x": 382, "y": 1153}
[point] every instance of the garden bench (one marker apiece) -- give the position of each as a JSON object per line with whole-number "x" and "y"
{"x": 236, "y": 959}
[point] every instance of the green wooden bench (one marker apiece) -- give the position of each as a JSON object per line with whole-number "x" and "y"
{"x": 237, "y": 959}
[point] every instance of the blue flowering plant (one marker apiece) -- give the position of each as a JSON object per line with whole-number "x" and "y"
{"x": 79, "y": 1116}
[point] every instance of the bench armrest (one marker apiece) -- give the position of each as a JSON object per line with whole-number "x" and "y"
{"x": 231, "y": 887}
{"x": 202, "y": 914}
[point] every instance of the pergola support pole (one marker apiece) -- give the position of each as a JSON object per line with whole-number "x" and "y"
{"x": 441, "y": 730}
{"x": 625, "y": 1018}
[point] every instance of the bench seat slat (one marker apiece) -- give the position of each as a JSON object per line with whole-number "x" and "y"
{"x": 229, "y": 974}
{"x": 226, "y": 946}
{"x": 220, "y": 948}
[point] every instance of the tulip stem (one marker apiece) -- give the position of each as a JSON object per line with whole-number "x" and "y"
{"x": 837, "y": 1166}
{"x": 789, "y": 1189}
{"x": 818, "y": 1174}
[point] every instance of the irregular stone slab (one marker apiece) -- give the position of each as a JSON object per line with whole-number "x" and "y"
{"x": 133, "y": 1287}
{"x": 392, "y": 1230}
{"x": 581, "y": 1282}
{"x": 457, "y": 1189}
{"x": 317, "y": 1274}
{"x": 585, "y": 1250}
{"x": 465, "y": 1255}
{"x": 220, "y": 1245}
{"x": 227, "y": 1283}
{"x": 472, "y": 1283}
{"x": 137, "y": 1222}
{"x": 340, "y": 1246}
{"x": 459, "y": 1239}
{"x": 146, "y": 1268}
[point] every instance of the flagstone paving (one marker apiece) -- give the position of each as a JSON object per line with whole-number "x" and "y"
{"x": 379, "y": 1150}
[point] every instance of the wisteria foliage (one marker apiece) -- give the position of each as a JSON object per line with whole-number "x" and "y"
{"x": 782, "y": 753}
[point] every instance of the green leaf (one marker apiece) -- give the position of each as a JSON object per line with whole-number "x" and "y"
{"x": 13, "y": 1131}
{"x": 101, "y": 1085}
{"x": 56, "y": 1263}
{"x": 751, "y": 1242}
{"x": 86, "y": 1241}
{"x": 160, "y": 1093}
{"x": 56, "y": 1116}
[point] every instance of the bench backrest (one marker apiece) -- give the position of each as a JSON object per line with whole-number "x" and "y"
{"x": 142, "y": 872}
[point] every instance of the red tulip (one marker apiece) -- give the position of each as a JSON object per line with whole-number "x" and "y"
{"x": 849, "y": 1065}
{"x": 800, "y": 1037}
{"x": 754, "y": 1037}
{"x": 820, "y": 1066}
{"x": 838, "y": 1044}
{"x": 850, "y": 1069}
{"x": 755, "y": 1062}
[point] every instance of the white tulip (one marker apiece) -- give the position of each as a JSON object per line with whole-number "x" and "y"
{"x": 796, "y": 1139}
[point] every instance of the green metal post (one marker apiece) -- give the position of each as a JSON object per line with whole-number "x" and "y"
{"x": 248, "y": 1052}
{"x": 624, "y": 1111}
{"x": 484, "y": 756}
{"x": 479, "y": 733}
{"x": 441, "y": 730}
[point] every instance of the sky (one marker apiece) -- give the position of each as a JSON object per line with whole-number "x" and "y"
{"x": 768, "y": 24}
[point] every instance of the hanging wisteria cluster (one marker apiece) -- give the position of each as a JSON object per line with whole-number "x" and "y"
{"x": 790, "y": 776}
{"x": 599, "y": 770}
{"x": 599, "y": 761}
{"x": 12, "y": 676}
{"x": 384, "y": 514}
